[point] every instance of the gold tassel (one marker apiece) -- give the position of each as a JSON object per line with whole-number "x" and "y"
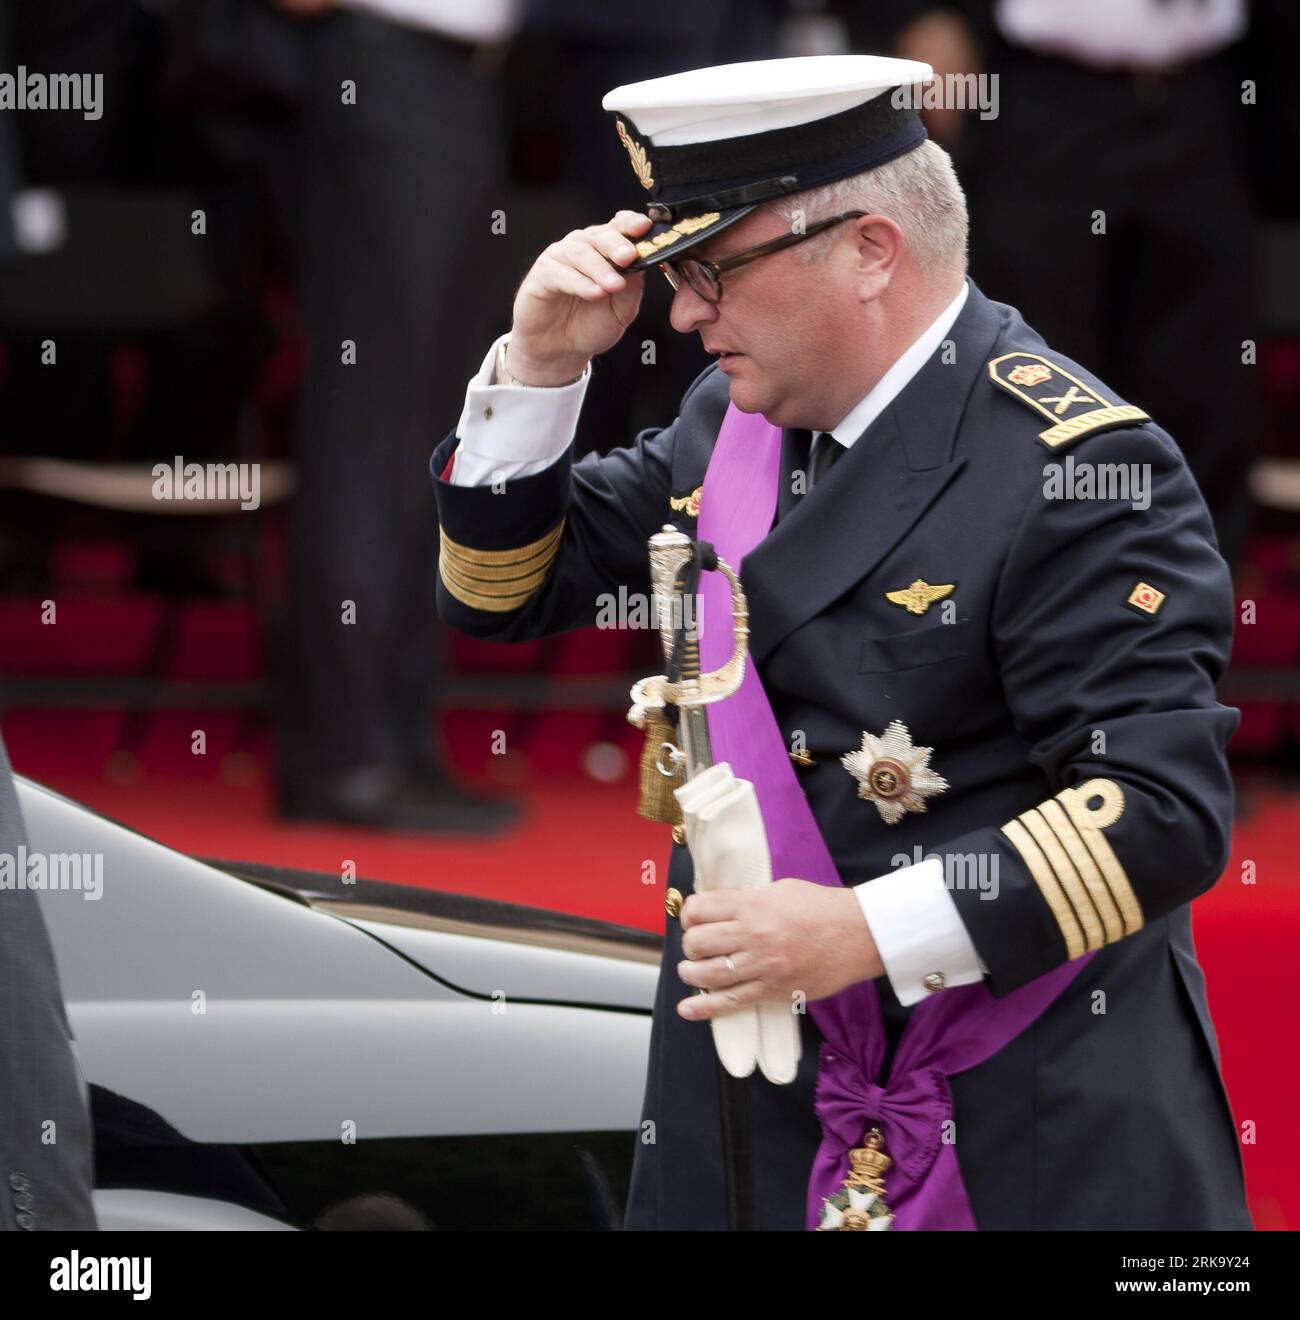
{"x": 656, "y": 801}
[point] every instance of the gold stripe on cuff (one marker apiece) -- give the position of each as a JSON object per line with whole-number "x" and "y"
{"x": 1090, "y": 825}
{"x": 1063, "y": 827}
{"x": 497, "y": 581}
{"x": 1071, "y": 882}
{"x": 520, "y": 587}
{"x": 518, "y": 555}
{"x": 499, "y": 572}
{"x": 1075, "y": 868}
{"x": 494, "y": 597}
{"x": 1048, "y": 886}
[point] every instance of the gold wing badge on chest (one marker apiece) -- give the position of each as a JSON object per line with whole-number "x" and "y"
{"x": 687, "y": 504}
{"x": 918, "y": 598}
{"x": 892, "y": 773}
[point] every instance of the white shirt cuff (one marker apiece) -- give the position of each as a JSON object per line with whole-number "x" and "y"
{"x": 513, "y": 430}
{"x": 918, "y": 930}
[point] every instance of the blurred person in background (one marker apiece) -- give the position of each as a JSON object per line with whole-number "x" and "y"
{"x": 131, "y": 383}
{"x": 399, "y": 169}
{"x": 1112, "y": 201}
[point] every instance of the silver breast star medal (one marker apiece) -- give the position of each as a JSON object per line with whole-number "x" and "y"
{"x": 892, "y": 773}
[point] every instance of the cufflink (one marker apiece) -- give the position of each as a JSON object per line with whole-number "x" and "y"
{"x": 933, "y": 982}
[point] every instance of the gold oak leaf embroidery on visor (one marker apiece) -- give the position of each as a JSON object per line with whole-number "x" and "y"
{"x": 1075, "y": 868}
{"x": 682, "y": 229}
{"x": 497, "y": 581}
{"x": 637, "y": 155}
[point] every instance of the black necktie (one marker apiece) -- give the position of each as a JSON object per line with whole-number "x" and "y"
{"x": 826, "y": 449}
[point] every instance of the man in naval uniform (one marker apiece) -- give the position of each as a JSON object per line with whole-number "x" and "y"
{"x": 989, "y": 617}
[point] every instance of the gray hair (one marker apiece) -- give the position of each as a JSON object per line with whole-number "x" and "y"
{"x": 918, "y": 190}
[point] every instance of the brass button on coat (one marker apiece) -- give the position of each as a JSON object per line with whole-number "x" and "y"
{"x": 673, "y": 901}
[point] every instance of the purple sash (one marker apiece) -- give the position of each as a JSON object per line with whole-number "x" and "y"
{"x": 947, "y": 1032}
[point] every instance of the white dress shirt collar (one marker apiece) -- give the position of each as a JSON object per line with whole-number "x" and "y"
{"x": 891, "y": 384}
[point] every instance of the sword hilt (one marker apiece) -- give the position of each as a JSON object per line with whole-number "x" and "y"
{"x": 671, "y": 554}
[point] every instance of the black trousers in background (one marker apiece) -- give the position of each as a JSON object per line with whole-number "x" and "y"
{"x": 395, "y": 202}
{"x": 1158, "y": 305}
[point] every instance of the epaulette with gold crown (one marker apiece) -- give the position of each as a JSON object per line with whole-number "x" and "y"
{"x": 1073, "y": 408}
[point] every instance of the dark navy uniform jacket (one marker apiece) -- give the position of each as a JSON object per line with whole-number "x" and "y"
{"x": 1081, "y": 642}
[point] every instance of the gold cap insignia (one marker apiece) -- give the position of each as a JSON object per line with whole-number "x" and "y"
{"x": 1146, "y": 598}
{"x": 918, "y": 598}
{"x": 647, "y": 247}
{"x": 640, "y": 161}
{"x": 892, "y": 773}
{"x": 687, "y": 504}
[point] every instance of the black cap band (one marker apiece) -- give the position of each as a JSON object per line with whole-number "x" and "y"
{"x": 737, "y": 171}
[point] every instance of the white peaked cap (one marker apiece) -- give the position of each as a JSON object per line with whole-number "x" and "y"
{"x": 709, "y": 145}
{"x": 736, "y": 100}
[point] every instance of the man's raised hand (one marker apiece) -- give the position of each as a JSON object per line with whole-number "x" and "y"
{"x": 573, "y": 304}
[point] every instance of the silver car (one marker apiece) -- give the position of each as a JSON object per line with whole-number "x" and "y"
{"x": 277, "y": 1049}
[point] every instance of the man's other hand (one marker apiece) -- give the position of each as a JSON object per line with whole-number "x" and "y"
{"x": 786, "y": 938}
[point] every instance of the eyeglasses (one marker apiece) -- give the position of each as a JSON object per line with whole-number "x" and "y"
{"x": 705, "y": 277}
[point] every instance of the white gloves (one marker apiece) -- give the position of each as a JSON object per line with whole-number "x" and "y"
{"x": 724, "y": 831}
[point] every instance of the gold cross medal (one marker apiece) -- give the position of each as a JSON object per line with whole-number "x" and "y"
{"x": 892, "y": 773}
{"x": 859, "y": 1205}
